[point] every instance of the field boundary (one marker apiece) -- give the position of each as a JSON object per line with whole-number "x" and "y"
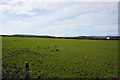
{"x": 19, "y": 52}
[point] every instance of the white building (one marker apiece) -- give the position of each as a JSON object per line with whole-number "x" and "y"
{"x": 107, "y": 37}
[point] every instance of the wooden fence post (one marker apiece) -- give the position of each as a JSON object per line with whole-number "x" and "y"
{"x": 27, "y": 71}
{"x": 39, "y": 77}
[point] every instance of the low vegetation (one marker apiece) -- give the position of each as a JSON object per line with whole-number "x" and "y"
{"x": 59, "y": 58}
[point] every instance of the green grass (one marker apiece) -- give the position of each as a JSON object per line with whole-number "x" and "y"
{"x": 74, "y": 58}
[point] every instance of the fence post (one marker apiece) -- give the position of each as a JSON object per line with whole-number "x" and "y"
{"x": 27, "y": 71}
{"x": 39, "y": 77}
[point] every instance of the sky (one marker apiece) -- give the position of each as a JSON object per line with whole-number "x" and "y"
{"x": 59, "y": 18}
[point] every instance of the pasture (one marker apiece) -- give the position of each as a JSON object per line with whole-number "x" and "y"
{"x": 59, "y": 58}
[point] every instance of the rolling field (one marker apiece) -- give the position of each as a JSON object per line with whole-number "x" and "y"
{"x": 59, "y": 58}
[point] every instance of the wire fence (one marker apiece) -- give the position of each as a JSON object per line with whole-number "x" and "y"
{"x": 17, "y": 72}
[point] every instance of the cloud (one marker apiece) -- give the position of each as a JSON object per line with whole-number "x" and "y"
{"x": 63, "y": 18}
{"x": 27, "y": 7}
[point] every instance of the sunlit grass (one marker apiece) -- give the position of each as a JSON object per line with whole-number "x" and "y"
{"x": 62, "y": 58}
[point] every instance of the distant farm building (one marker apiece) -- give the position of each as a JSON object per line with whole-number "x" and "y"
{"x": 108, "y": 38}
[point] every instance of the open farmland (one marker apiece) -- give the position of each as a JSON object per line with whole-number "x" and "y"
{"x": 59, "y": 58}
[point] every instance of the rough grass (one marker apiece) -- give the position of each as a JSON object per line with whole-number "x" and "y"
{"x": 61, "y": 58}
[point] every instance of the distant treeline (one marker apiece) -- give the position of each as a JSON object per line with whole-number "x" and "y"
{"x": 46, "y": 36}
{"x": 94, "y": 37}
{"x": 79, "y": 37}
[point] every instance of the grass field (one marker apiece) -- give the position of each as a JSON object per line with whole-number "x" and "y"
{"x": 60, "y": 58}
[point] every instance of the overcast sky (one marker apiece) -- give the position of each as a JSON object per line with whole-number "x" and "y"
{"x": 68, "y": 18}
